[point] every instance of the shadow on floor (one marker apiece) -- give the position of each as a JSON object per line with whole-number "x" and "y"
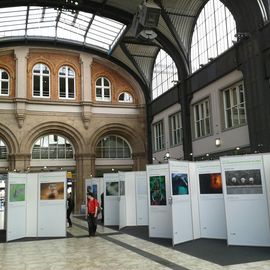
{"x": 212, "y": 250}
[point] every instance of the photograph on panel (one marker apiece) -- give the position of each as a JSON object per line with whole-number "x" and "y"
{"x": 180, "y": 184}
{"x": 157, "y": 190}
{"x": 244, "y": 182}
{"x": 17, "y": 193}
{"x": 52, "y": 191}
{"x": 210, "y": 183}
{"x": 111, "y": 188}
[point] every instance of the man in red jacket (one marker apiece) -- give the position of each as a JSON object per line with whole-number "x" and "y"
{"x": 91, "y": 213}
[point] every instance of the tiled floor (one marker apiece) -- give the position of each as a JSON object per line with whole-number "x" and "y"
{"x": 108, "y": 250}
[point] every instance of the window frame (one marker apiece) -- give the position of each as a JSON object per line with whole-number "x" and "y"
{"x": 125, "y": 93}
{"x": 213, "y": 34}
{"x": 200, "y": 125}
{"x": 67, "y": 78}
{"x": 236, "y": 106}
{"x": 4, "y": 80}
{"x": 41, "y": 75}
{"x": 102, "y": 87}
{"x": 4, "y": 145}
{"x": 158, "y": 136}
{"x": 175, "y": 130}
{"x": 48, "y": 150}
{"x": 102, "y": 148}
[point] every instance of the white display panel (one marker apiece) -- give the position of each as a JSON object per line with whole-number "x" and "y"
{"x": 130, "y": 194}
{"x": 111, "y": 199}
{"x": 122, "y": 201}
{"x": 52, "y": 204}
{"x": 181, "y": 202}
{"x": 211, "y": 200}
{"x": 31, "y": 205}
{"x": 16, "y": 206}
{"x": 160, "y": 214}
{"x": 266, "y": 163}
{"x": 246, "y": 208}
{"x": 141, "y": 198}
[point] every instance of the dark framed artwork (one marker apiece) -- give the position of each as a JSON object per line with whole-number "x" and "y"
{"x": 244, "y": 182}
{"x": 157, "y": 190}
{"x": 210, "y": 183}
{"x": 180, "y": 184}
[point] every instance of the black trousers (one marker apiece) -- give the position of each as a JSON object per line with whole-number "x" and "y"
{"x": 92, "y": 224}
{"x": 68, "y": 218}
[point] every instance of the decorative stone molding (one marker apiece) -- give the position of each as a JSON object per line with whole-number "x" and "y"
{"x": 20, "y": 118}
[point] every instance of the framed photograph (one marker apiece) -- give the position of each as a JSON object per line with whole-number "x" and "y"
{"x": 210, "y": 183}
{"x": 94, "y": 190}
{"x": 52, "y": 191}
{"x": 157, "y": 190}
{"x": 244, "y": 182}
{"x": 17, "y": 193}
{"x": 112, "y": 188}
{"x": 180, "y": 184}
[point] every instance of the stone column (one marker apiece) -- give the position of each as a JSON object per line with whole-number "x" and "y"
{"x": 85, "y": 164}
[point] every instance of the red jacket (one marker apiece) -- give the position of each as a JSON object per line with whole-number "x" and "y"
{"x": 91, "y": 206}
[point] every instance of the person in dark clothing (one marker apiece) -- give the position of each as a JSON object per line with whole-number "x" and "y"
{"x": 70, "y": 207}
{"x": 102, "y": 207}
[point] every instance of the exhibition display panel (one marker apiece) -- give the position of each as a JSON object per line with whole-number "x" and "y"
{"x": 211, "y": 200}
{"x": 245, "y": 197}
{"x": 52, "y": 204}
{"x": 36, "y": 199}
{"x": 16, "y": 206}
{"x": 111, "y": 199}
{"x": 160, "y": 214}
{"x": 180, "y": 192}
{"x": 141, "y": 198}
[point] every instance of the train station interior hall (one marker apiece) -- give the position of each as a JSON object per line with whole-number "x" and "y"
{"x": 160, "y": 108}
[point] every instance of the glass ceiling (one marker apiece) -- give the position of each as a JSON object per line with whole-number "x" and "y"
{"x": 80, "y": 27}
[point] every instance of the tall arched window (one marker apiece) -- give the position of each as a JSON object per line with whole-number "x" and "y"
{"x": 41, "y": 81}
{"x": 164, "y": 74}
{"x": 103, "y": 89}
{"x": 213, "y": 34}
{"x": 52, "y": 147}
{"x": 4, "y": 82}
{"x": 113, "y": 146}
{"x": 66, "y": 82}
{"x": 3, "y": 150}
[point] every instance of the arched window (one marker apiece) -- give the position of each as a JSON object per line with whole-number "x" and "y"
{"x": 113, "y": 146}
{"x": 41, "y": 81}
{"x": 103, "y": 89}
{"x": 125, "y": 97}
{"x": 4, "y": 83}
{"x": 164, "y": 74}
{"x": 52, "y": 147}
{"x": 3, "y": 150}
{"x": 66, "y": 82}
{"x": 213, "y": 34}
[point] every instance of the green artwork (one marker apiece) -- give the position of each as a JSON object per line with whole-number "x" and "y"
{"x": 157, "y": 190}
{"x": 17, "y": 193}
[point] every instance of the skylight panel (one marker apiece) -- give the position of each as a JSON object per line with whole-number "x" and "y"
{"x": 79, "y": 26}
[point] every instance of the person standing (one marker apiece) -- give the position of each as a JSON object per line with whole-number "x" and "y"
{"x": 102, "y": 207}
{"x": 70, "y": 207}
{"x": 91, "y": 213}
